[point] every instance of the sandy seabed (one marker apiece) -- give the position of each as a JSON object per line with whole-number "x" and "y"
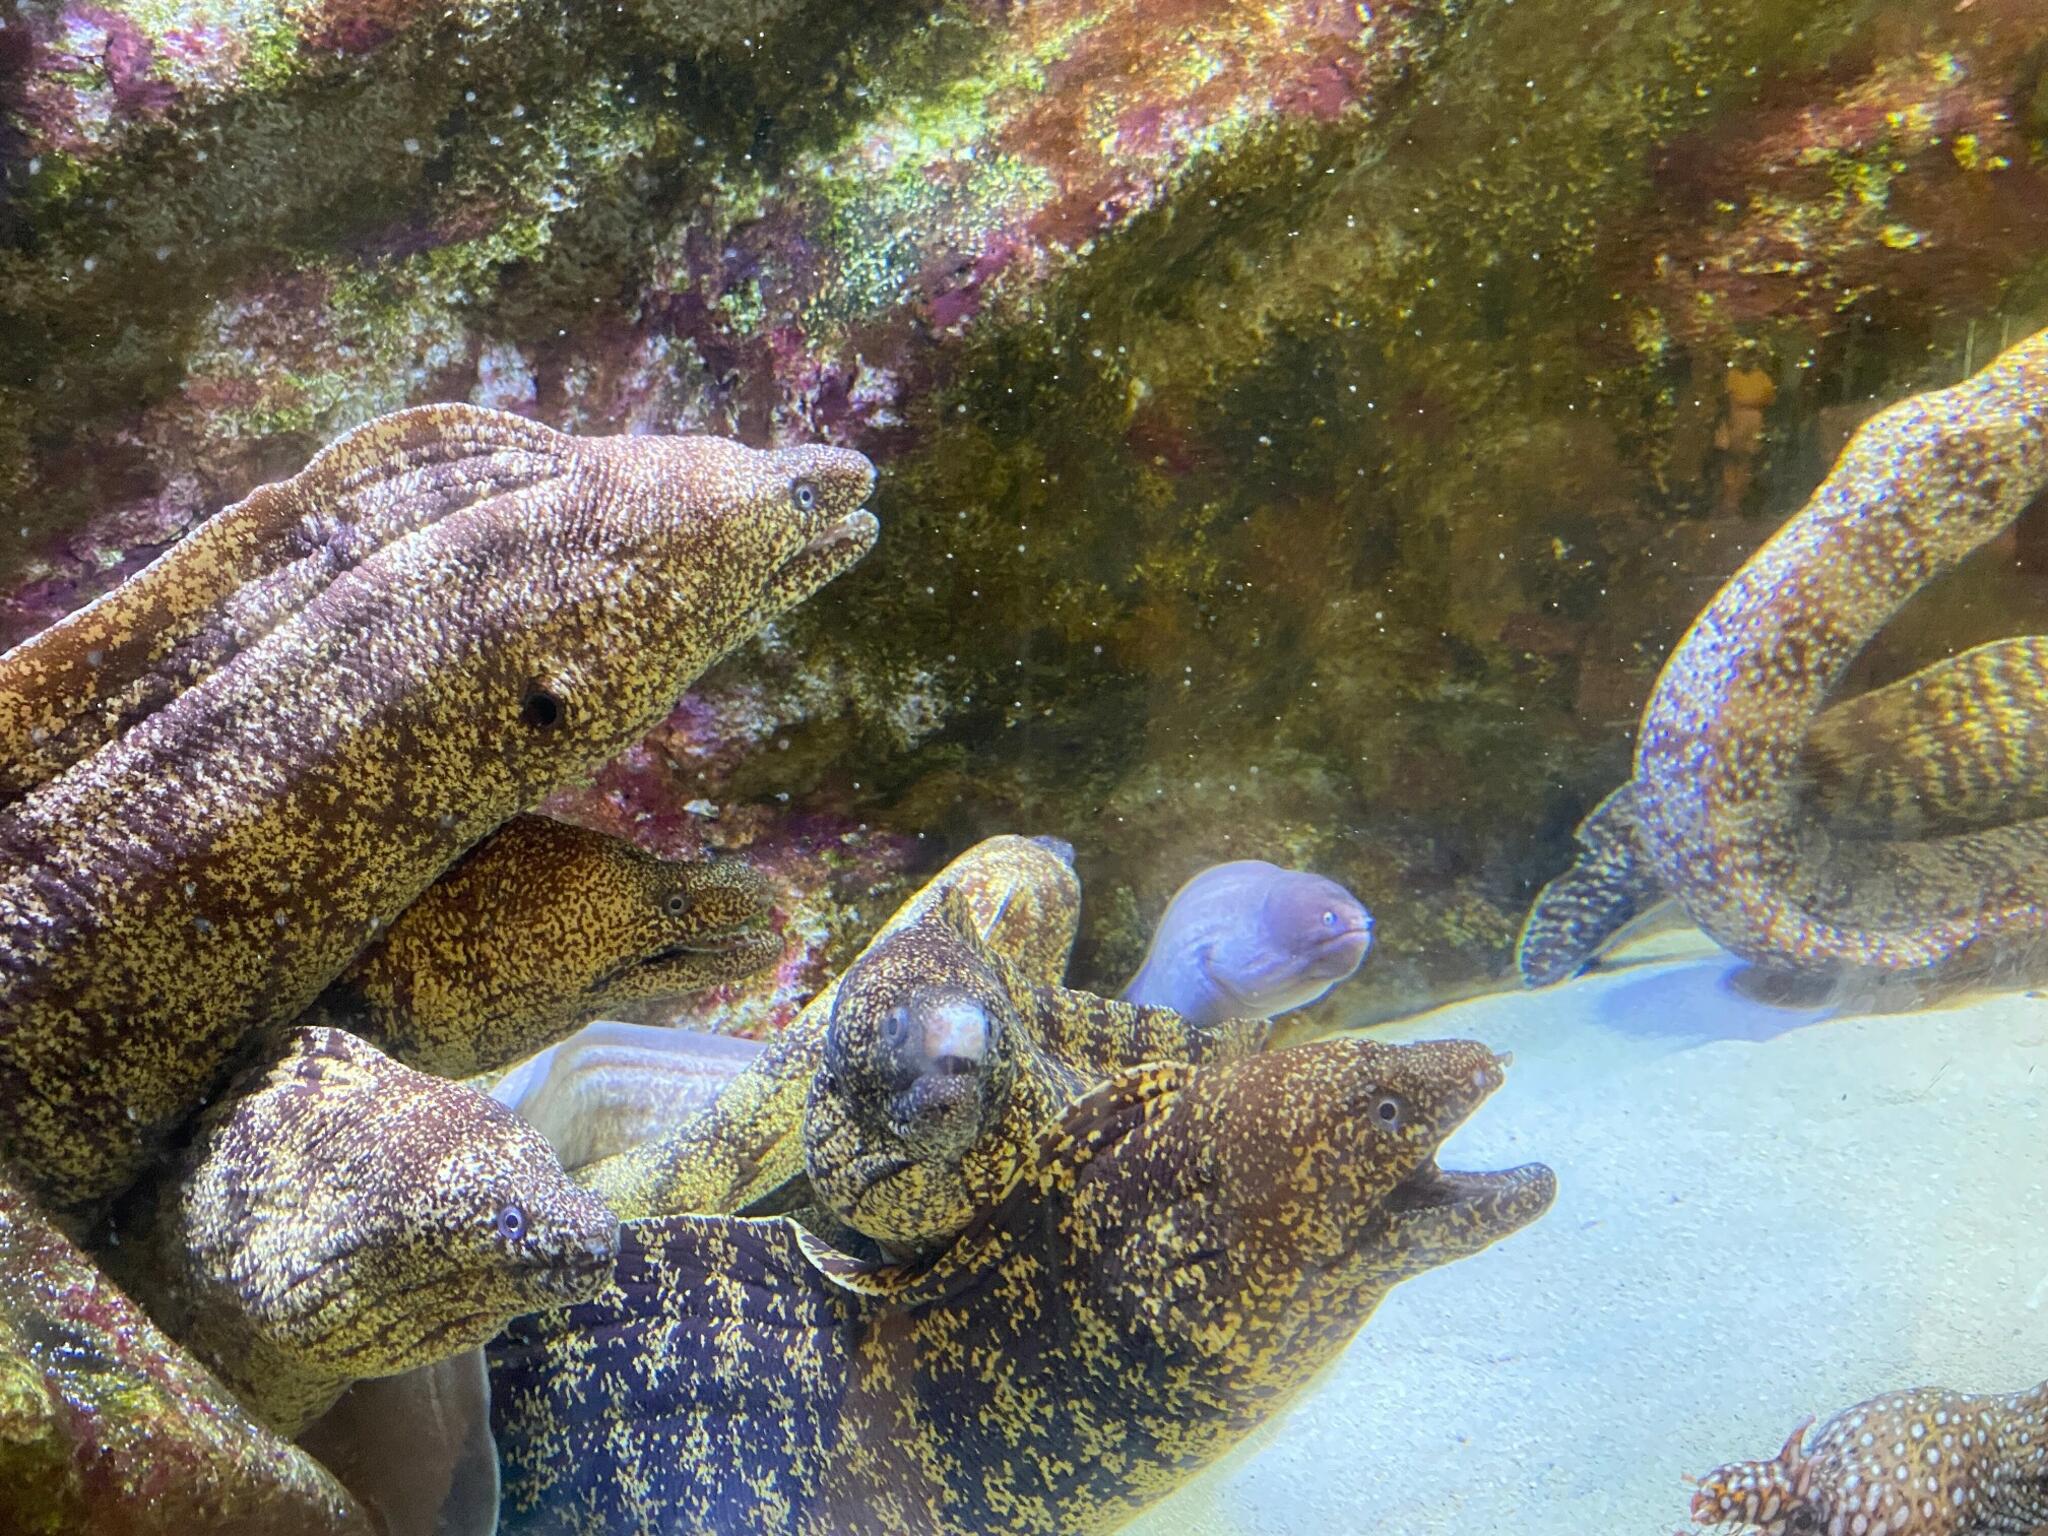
{"x": 1762, "y": 1212}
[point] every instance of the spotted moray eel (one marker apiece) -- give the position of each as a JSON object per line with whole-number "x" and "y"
{"x": 539, "y": 929}
{"x": 1717, "y": 788}
{"x": 1186, "y": 1249}
{"x": 1959, "y": 746}
{"x": 298, "y": 744}
{"x": 339, "y": 1216}
{"x": 1921, "y": 1463}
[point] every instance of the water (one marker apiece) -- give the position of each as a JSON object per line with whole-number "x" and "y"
{"x": 1303, "y": 434}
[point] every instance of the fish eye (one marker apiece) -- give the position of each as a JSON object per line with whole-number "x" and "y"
{"x": 804, "y": 494}
{"x": 1388, "y": 1112}
{"x": 676, "y": 905}
{"x": 896, "y": 1026}
{"x": 510, "y": 1223}
{"x": 540, "y": 709}
{"x": 1329, "y": 919}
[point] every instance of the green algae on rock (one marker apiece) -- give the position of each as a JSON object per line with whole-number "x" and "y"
{"x": 1188, "y": 1247}
{"x": 106, "y": 1425}
{"x": 537, "y": 930}
{"x": 208, "y": 872}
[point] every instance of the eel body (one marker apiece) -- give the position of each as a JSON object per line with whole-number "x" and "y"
{"x": 611, "y": 1085}
{"x": 1026, "y": 904}
{"x": 1717, "y": 784}
{"x": 1902, "y": 832}
{"x": 208, "y": 868}
{"x": 1186, "y": 1248}
{"x": 106, "y": 1425}
{"x": 536, "y": 931}
{"x": 1928, "y": 1462}
{"x": 1249, "y": 939}
{"x": 1958, "y": 746}
{"x": 339, "y": 1216}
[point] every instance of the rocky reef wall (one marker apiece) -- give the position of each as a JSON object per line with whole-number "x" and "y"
{"x": 1304, "y": 427}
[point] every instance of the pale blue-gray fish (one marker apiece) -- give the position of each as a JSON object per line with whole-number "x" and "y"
{"x": 1249, "y": 939}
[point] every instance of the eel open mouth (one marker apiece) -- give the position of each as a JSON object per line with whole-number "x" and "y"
{"x": 1437, "y": 1214}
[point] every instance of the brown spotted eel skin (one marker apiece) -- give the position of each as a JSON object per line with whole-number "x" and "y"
{"x": 1718, "y": 785}
{"x": 1959, "y": 746}
{"x": 538, "y": 930}
{"x": 1026, "y": 905}
{"x": 485, "y": 610}
{"x": 1922, "y": 1463}
{"x": 107, "y": 1426}
{"x": 341, "y": 1216}
{"x": 941, "y": 1066}
{"x": 1187, "y": 1248}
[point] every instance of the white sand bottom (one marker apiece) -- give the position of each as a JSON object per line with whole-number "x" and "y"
{"x": 1762, "y": 1213}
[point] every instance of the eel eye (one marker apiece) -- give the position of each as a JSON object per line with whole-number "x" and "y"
{"x": 804, "y": 495}
{"x": 510, "y": 1223}
{"x": 896, "y": 1028}
{"x": 1329, "y": 919}
{"x": 540, "y": 709}
{"x": 676, "y": 905}
{"x": 1388, "y": 1112}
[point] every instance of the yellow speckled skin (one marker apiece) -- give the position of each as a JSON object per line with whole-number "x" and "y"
{"x": 913, "y": 1187}
{"x": 106, "y": 1426}
{"x": 1923, "y": 1463}
{"x": 1186, "y": 1249}
{"x": 1717, "y": 780}
{"x": 80, "y": 683}
{"x": 341, "y": 1216}
{"x": 1957, "y": 747}
{"x": 1026, "y": 905}
{"x": 539, "y": 929}
{"x": 207, "y": 871}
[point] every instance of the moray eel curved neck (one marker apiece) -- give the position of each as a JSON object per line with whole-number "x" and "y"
{"x": 1183, "y": 1251}
{"x": 539, "y": 929}
{"x": 1717, "y": 779}
{"x": 203, "y": 874}
{"x": 1921, "y": 1463}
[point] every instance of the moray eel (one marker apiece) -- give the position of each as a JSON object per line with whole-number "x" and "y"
{"x": 1717, "y": 773}
{"x": 611, "y": 1085}
{"x": 1251, "y": 940}
{"x": 940, "y": 1067}
{"x": 1959, "y": 746}
{"x": 1026, "y": 905}
{"x": 487, "y": 609}
{"x": 1921, "y": 1463}
{"x": 1185, "y": 1249}
{"x": 539, "y": 929}
{"x": 106, "y": 1425}
{"x": 340, "y": 1216}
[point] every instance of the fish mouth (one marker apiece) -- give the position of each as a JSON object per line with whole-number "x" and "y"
{"x": 831, "y": 549}
{"x": 1436, "y": 1215}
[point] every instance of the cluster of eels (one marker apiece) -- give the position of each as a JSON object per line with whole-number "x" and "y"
{"x": 960, "y": 1250}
